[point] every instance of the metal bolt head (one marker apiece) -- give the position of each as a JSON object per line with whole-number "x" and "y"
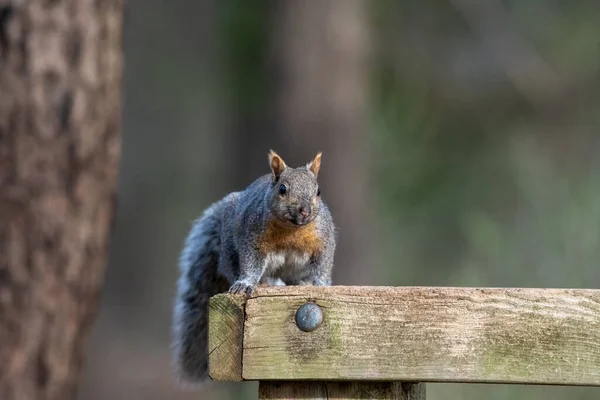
{"x": 309, "y": 317}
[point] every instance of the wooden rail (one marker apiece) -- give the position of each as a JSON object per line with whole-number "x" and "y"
{"x": 372, "y": 338}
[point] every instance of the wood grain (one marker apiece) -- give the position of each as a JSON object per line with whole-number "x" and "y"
{"x": 340, "y": 391}
{"x": 225, "y": 335}
{"x": 419, "y": 334}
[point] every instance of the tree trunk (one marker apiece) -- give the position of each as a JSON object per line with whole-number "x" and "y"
{"x": 321, "y": 69}
{"x": 60, "y": 117}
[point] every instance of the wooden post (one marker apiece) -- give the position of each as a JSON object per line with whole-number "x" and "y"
{"x": 225, "y": 337}
{"x": 340, "y": 390}
{"x": 303, "y": 342}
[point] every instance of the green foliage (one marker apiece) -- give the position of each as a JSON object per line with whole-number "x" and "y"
{"x": 479, "y": 192}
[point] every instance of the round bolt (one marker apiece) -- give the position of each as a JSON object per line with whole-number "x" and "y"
{"x": 309, "y": 317}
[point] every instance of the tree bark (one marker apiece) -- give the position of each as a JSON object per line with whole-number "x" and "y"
{"x": 60, "y": 122}
{"x": 320, "y": 61}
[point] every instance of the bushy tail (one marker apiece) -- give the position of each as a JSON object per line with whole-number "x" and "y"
{"x": 198, "y": 281}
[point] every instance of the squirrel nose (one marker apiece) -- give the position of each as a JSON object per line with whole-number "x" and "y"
{"x": 304, "y": 211}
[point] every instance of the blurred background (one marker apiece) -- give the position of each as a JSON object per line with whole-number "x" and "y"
{"x": 460, "y": 148}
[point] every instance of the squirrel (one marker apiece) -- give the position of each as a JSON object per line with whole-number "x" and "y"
{"x": 277, "y": 231}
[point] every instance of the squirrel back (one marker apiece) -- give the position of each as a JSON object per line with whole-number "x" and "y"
{"x": 277, "y": 231}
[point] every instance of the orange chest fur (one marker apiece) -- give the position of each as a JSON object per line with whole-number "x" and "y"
{"x": 302, "y": 239}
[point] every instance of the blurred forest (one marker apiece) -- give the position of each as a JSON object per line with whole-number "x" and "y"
{"x": 460, "y": 148}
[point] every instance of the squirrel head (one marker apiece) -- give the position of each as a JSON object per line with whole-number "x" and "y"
{"x": 294, "y": 196}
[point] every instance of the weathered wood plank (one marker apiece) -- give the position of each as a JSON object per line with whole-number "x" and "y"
{"x": 340, "y": 391}
{"x": 495, "y": 335}
{"x": 225, "y": 336}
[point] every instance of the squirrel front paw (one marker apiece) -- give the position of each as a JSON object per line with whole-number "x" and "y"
{"x": 241, "y": 287}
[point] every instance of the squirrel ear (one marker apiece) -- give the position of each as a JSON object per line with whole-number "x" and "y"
{"x": 315, "y": 165}
{"x": 277, "y": 164}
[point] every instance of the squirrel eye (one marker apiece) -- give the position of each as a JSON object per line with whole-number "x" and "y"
{"x": 318, "y": 191}
{"x": 282, "y": 189}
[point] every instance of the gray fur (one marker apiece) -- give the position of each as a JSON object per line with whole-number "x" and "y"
{"x": 220, "y": 255}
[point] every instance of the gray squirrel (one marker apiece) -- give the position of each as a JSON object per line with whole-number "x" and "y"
{"x": 277, "y": 231}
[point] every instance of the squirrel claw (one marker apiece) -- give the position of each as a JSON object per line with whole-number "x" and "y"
{"x": 241, "y": 288}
